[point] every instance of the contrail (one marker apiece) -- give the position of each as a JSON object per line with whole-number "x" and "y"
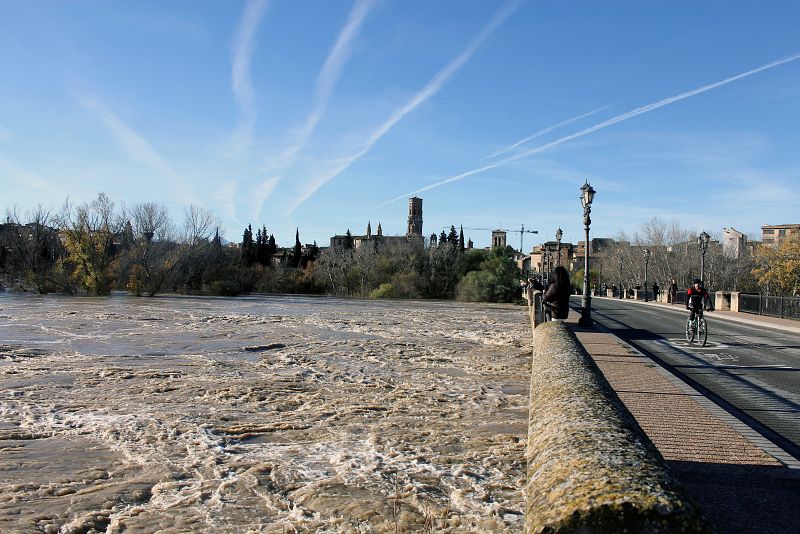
{"x": 330, "y": 73}
{"x": 600, "y": 126}
{"x": 545, "y": 131}
{"x": 432, "y": 87}
{"x": 326, "y": 82}
{"x": 241, "y": 85}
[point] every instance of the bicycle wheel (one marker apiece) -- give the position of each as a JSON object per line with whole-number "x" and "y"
{"x": 702, "y": 331}
{"x": 690, "y": 330}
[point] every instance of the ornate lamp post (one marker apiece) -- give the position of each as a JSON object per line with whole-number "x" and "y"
{"x": 559, "y": 235}
{"x": 587, "y": 195}
{"x": 702, "y": 241}
{"x": 646, "y": 261}
{"x": 620, "y": 277}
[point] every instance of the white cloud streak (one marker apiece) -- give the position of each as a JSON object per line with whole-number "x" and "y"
{"x": 544, "y": 131}
{"x": 241, "y": 84}
{"x": 605, "y": 124}
{"x": 330, "y": 73}
{"x": 326, "y": 82}
{"x": 135, "y": 146}
{"x": 429, "y": 90}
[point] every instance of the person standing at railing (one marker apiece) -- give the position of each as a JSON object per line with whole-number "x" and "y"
{"x": 673, "y": 292}
{"x": 655, "y": 291}
{"x": 557, "y": 295}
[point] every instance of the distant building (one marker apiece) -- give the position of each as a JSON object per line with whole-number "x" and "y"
{"x": 499, "y": 238}
{"x": 544, "y": 258}
{"x": 414, "y": 229}
{"x": 734, "y": 243}
{"x": 414, "y": 216}
{"x": 774, "y": 235}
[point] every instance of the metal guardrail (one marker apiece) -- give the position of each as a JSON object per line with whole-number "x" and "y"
{"x": 783, "y": 307}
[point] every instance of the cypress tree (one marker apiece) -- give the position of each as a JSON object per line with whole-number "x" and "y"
{"x": 297, "y": 257}
{"x": 247, "y": 252}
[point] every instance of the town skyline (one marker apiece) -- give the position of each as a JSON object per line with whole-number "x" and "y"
{"x": 271, "y": 113}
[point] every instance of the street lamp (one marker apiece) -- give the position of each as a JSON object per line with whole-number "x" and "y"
{"x": 702, "y": 241}
{"x": 587, "y": 195}
{"x": 559, "y": 235}
{"x": 620, "y": 277}
{"x": 646, "y": 261}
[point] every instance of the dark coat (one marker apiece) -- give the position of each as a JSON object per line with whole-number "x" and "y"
{"x": 559, "y": 300}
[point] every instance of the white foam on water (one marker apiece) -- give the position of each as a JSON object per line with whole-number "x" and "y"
{"x": 262, "y": 414}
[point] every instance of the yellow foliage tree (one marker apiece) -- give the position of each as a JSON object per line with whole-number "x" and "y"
{"x": 779, "y": 268}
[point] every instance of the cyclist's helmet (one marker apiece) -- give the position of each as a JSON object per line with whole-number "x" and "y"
{"x": 697, "y": 281}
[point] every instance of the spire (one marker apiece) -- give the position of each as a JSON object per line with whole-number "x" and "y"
{"x": 380, "y": 230}
{"x": 369, "y": 229}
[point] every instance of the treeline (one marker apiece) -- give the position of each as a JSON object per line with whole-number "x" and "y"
{"x": 96, "y": 247}
{"x": 409, "y": 269}
{"x": 675, "y": 254}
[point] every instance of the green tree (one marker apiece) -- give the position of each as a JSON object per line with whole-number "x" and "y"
{"x": 297, "y": 254}
{"x": 452, "y": 237}
{"x": 248, "y": 246}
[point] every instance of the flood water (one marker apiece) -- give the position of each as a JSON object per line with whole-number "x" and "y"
{"x": 261, "y": 414}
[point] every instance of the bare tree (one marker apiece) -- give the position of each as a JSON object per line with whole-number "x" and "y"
{"x": 31, "y": 247}
{"x": 198, "y": 225}
{"x": 90, "y": 230}
{"x": 151, "y": 221}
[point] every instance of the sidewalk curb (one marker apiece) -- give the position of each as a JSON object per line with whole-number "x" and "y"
{"x": 742, "y": 320}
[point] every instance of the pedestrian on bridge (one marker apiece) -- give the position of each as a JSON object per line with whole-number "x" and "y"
{"x": 655, "y": 291}
{"x": 673, "y": 292}
{"x": 557, "y": 295}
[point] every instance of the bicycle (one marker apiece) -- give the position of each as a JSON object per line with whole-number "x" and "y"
{"x": 697, "y": 327}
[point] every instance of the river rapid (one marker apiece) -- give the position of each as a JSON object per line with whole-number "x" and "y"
{"x": 261, "y": 414}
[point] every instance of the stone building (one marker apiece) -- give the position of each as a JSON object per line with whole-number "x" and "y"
{"x": 414, "y": 216}
{"x": 414, "y": 229}
{"x": 734, "y": 243}
{"x": 774, "y": 235}
{"x": 499, "y": 238}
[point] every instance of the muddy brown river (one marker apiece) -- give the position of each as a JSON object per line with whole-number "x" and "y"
{"x": 261, "y": 414}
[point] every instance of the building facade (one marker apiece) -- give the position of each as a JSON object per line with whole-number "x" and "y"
{"x": 734, "y": 243}
{"x": 499, "y": 238}
{"x": 414, "y": 216}
{"x": 774, "y": 235}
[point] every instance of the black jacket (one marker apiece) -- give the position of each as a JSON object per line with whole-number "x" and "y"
{"x": 559, "y": 300}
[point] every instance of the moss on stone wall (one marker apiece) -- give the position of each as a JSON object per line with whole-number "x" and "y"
{"x": 590, "y": 466}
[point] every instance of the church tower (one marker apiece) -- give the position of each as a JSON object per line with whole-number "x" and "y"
{"x": 414, "y": 216}
{"x": 498, "y": 238}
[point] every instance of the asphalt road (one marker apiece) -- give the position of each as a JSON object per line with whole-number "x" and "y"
{"x": 751, "y": 371}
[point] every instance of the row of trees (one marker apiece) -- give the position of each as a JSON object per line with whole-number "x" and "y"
{"x": 409, "y": 269}
{"x": 96, "y": 247}
{"x": 675, "y": 254}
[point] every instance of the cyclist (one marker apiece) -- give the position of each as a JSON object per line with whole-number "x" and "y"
{"x": 696, "y": 296}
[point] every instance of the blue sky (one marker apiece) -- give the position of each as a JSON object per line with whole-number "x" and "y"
{"x": 327, "y": 114}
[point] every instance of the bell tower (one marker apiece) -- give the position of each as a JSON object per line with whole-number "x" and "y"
{"x": 414, "y": 216}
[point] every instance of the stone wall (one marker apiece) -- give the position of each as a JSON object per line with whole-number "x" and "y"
{"x": 590, "y": 466}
